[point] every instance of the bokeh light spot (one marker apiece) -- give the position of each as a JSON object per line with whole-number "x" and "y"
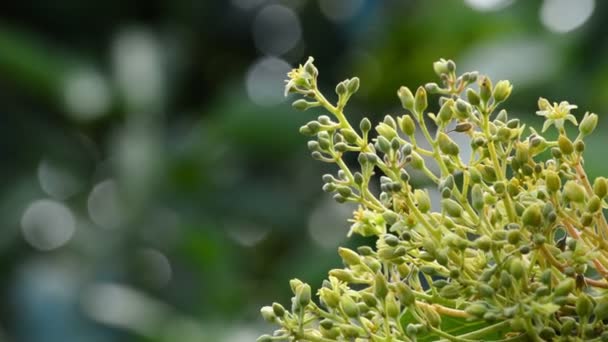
{"x": 327, "y": 224}
{"x": 57, "y": 181}
{"x": 104, "y": 205}
{"x": 47, "y": 224}
{"x": 340, "y": 10}
{"x": 138, "y": 68}
{"x": 276, "y": 30}
{"x": 265, "y": 81}
{"x": 86, "y": 94}
{"x": 488, "y": 5}
{"x": 563, "y": 16}
{"x": 154, "y": 267}
{"x": 247, "y": 234}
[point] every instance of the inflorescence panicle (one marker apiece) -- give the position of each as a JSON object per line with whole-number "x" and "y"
{"x": 517, "y": 250}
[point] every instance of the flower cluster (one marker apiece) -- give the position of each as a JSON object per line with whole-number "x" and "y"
{"x": 515, "y": 251}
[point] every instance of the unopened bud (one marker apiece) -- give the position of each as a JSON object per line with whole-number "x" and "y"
{"x": 392, "y": 306}
{"x": 485, "y": 88}
{"x": 406, "y": 123}
{"x": 574, "y": 192}
{"x": 341, "y": 89}
{"x": 588, "y": 124}
{"x": 303, "y": 295}
{"x": 445, "y": 112}
{"x": 349, "y": 256}
{"x": 365, "y": 125}
{"x": 380, "y": 286}
{"x": 420, "y": 101}
{"x": 406, "y": 97}
{"x": 565, "y": 145}
{"x": 447, "y": 145}
{"x": 423, "y": 200}
{"x": 268, "y": 314}
{"x": 552, "y": 181}
{"x": 600, "y": 187}
{"x": 476, "y": 310}
{"x": 473, "y": 97}
{"x": 353, "y": 85}
{"x": 386, "y": 131}
{"x": 451, "y": 207}
{"x": 349, "y": 306}
{"x": 564, "y": 287}
{"x": 502, "y": 91}
{"x": 532, "y": 216}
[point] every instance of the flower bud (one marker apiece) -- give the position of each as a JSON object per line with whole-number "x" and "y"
{"x": 574, "y": 192}
{"x": 349, "y": 135}
{"x": 484, "y": 243}
{"x": 423, "y": 200}
{"x": 440, "y": 67}
{"x": 473, "y": 97}
{"x": 383, "y": 144}
{"x": 342, "y": 274}
{"x": 463, "y": 127}
{"x": 445, "y": 112}
{"x": 406, "y": 295}
{"x": 392, "y": 306}
{"x": 476, "y": 310}
{"x": 406, "y": 123}
{"x": 564, "y": 287}
{"x": 588, "y": 124}
{"x": 552, "y": 181}
{"x": 380, "y": 286}
{"x": 485, "y": 290}
{"x": 349, "y": 306}
{"x": 406, "y": 97}
{"x": 447, "y": 145}
{"x": 594, "y": 204}
{"x": 369, "y": 299}
{"x": 463, "y": 109}
{"x": 295, "y": 284}
{"x": 278, "y": 309}
{"x": 353, "y": 85}
{"x": 432, "y": 88}
{"x": 432, "y": 316}
{"x": 502, "y": 90}
{"x": 565, "y": 145}
{"x": 349, "y": 256}
{"x": 365, "y": 125}
{"x": 451, "y": 207}
{"x": 268, "y": 314}
{"x": 532, "y": 216}
{"x": 485, "y": 88}
{"x": 329, "y": 297}
{"x": 341, "y": 89}
{"x": 303, "y": 295}
{"x": 600, "y": 187}
{"x": 417, "y": 162}
{"x": 303, "y": 104}
{"x": 420, "y": 101}
{"x": 505, "y": 279}
{"x": 386, "y": 131}
{"x": 517, "y": 268}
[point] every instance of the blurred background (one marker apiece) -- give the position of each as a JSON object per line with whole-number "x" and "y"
{"x": 154, "y": 186}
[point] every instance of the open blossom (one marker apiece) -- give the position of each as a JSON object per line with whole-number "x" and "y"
{"x": 301, "y": 78}
{"x": 555, "y": 114}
